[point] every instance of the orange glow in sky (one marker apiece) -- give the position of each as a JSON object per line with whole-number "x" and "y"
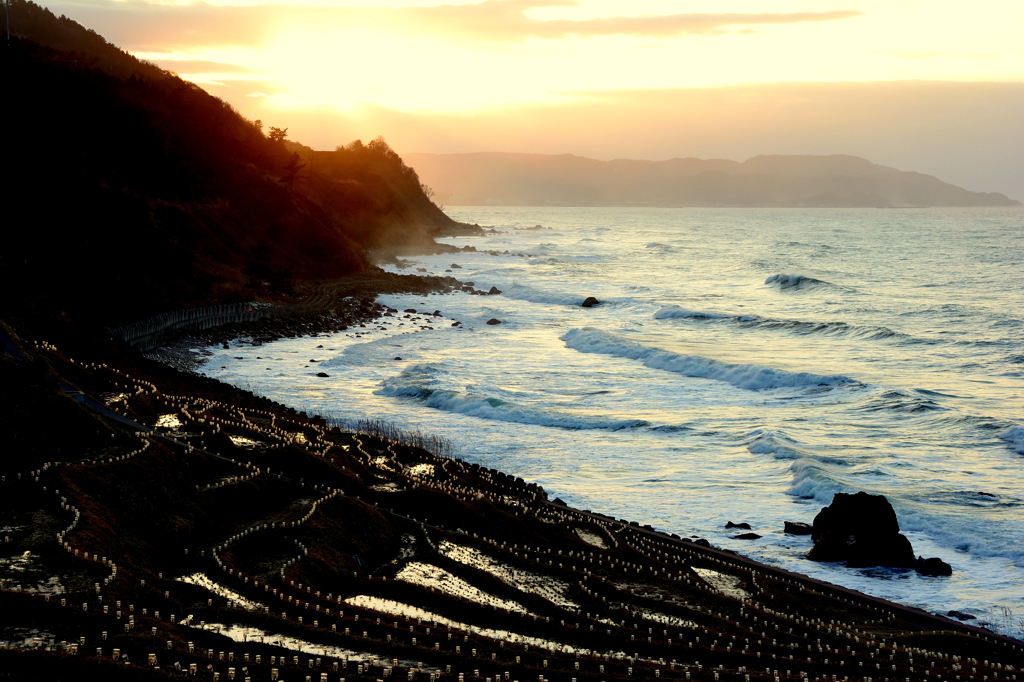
{"x": 469, "y": 75}
{"x": 420, "y": 58}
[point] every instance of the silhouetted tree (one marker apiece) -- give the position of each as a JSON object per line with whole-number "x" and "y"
{"x": 429, "y": 193}
{"x": 291, "y": 169}
{"x": 354, "y": 147}
{"x": 278, "y": 134}
{"x": 378, "y": 147}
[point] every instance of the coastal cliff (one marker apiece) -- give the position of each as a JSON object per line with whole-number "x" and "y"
{"x": 133, "y": 191}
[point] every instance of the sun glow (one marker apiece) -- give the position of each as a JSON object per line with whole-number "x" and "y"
{"x": 344, "y": 69}
{"x": 560, "y": 76}
{"x": 422, "y": 58}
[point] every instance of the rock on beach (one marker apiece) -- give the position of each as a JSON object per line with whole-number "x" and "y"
{"x": 861, "y": 530}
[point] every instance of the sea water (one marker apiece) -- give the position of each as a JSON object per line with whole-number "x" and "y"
{"x": 743, "y": 365}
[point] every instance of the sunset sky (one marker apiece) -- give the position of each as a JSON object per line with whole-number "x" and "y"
{"x": 935, "y": 86}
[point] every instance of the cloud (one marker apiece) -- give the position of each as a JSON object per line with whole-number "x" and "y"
{"x": 155, "y": 27}
{"x": 508, "y": 21}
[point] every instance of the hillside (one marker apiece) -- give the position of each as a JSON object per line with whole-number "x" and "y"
{"x": 131, "y": 191}
{"x": 173, "y": 523}
{"x": 496, "y": 178}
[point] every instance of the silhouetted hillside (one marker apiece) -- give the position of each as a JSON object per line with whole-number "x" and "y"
{"x": 130, "y": 190}
{"x": 567, "y": 180}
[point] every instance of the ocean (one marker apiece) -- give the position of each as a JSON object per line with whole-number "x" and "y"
{"x": 743, "y": 365}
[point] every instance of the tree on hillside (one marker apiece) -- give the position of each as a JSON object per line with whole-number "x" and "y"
{"x": 291, "y": 169}
{"x": 278, "y": 134}
{"x": 429, "y": 193}
{"x": 379, "y": 148}
{"x": 355, "y": 147}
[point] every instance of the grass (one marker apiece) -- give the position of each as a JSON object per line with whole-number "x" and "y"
{"x": 379, "y": 428}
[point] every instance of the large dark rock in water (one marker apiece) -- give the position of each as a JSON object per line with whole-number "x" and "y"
{"x": 797, "y": 528}
{"x": 861, "y": 530}
{"x": 933, "y": 566}
{"x": 590, "y": 302}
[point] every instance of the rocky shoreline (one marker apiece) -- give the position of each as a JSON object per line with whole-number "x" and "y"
{"x": 362, "y": 555}
{"x": 334, "y": 307}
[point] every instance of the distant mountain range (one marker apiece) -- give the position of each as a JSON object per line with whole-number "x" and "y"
{"x": 498, "y": 178}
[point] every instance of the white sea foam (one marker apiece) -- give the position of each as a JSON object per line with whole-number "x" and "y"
{"x": 419, "y": 382}
{"x": 753, "y": 377}
{"x": 1015, "y": 437}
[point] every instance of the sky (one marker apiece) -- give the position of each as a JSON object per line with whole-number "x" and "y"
{"x": 934, "y": 86}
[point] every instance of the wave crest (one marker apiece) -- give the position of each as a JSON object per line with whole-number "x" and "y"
{"x": 897, "y": 400}
{"x": 1015, "y": 437}
{"x": 674, "y": 312}
{"x": 751, "y": 377}
{"x": 420, "y": 382}
{"x": 779, "y": 446}
{"x": 795, "y": 281}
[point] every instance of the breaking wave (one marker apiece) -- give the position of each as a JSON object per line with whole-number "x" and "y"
{"x": 777, "y": 445}
{"x": 1015, "y": 437}
{"x": 811, "y": 481}
{"x": 796, "y": 281}
{"x": 674, "y": 312}
{"x": 751, "y": 377}
{"x": 420, "y": 382}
